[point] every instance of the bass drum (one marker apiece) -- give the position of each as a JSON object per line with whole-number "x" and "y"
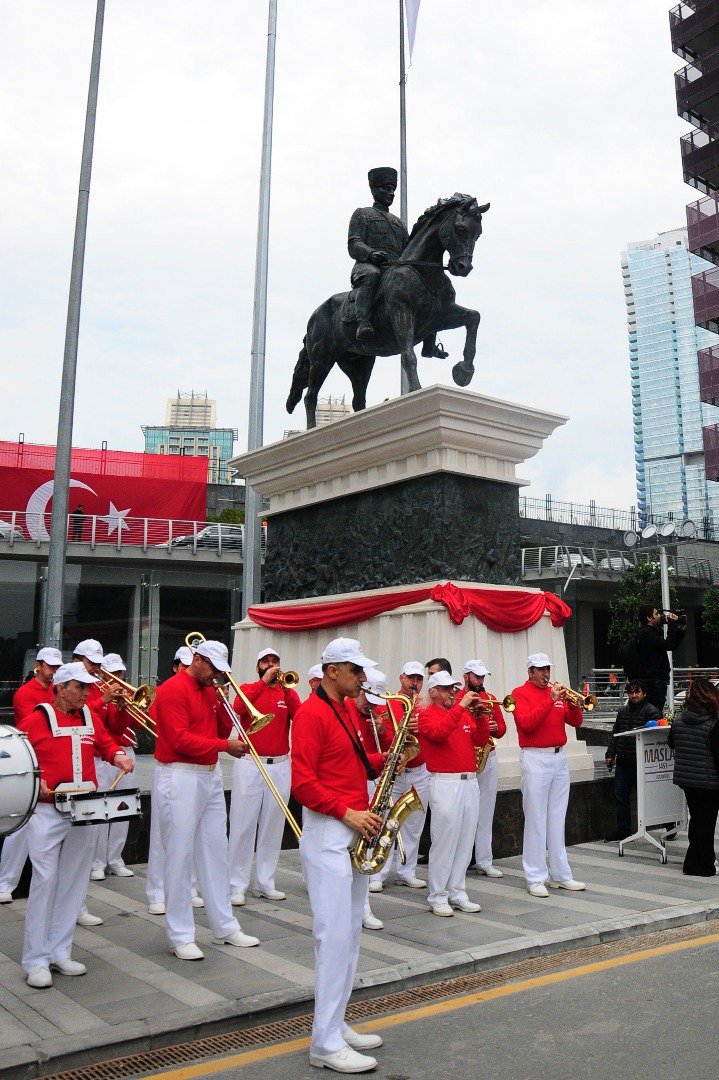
{"x": 19, "y": 779}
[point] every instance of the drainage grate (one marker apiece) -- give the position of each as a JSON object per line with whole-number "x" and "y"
{"x": 153, "y": 1061}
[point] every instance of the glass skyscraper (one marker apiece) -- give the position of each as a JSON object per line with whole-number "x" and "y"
{"x": 667, "y": 410}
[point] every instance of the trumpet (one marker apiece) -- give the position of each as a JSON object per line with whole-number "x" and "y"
{"x": 487, "y": 704}
{"x": 288, "y": 679}
{"x": 259, "y": 720}
{"x": 575, "y": 697}
{"x": 135, "y": 700}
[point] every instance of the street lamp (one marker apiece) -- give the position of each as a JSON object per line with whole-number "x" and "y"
{"x": 660, "y": 536}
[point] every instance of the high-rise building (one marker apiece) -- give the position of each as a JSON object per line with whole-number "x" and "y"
{"x": 668, "y": 413}
{"x": 190, "y": 429}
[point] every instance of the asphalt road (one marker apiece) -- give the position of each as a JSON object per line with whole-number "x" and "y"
{"x": 646, "y": 1015}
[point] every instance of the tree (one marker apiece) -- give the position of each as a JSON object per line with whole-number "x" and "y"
{"x": 638, "y": 586}
{"x": 710, "y": 613}
{"x": 231, "y": 515}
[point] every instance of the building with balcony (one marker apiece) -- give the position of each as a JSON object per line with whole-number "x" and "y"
{"x": 190, "y": 429}
{"x": 668, "y": 413}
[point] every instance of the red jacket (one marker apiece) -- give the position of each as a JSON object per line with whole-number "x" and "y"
{"x": 54, "y": 754}
{"x": 273, "y": 740}
{"x": 327, "y": 773}
{"x": 449, "y": 737}
{"x": 192, "y": 726}
{"x": 30, "y": 694}
{"x": 541, "y": 721}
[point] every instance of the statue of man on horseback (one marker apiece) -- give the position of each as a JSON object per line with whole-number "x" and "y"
{"x": 401, "y": 295}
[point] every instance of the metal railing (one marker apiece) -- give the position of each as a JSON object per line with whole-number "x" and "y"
{"x": 609, "y": 684}
{"x": 118, "y": 531}
{"x": 571, "y": 513}
{"x": 560, "y": 562}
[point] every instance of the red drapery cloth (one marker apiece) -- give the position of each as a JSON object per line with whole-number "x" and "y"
{"x": 507, "y": 611}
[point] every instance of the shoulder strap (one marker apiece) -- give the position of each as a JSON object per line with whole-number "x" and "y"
{"x": 354, "y": 739}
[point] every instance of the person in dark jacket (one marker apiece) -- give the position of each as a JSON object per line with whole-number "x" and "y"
{"x": 623, "y": 753}
{"x": 652, "y": 649}
{"x": 694, "y": 737}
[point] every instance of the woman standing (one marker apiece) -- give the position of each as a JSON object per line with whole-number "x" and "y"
{"x": 694, "y": 736}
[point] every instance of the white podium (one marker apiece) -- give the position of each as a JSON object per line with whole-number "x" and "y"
{"x": 658, "y": 799}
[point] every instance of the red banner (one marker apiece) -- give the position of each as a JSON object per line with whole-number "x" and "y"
{"x": 114, "y": 487}
{"x": 506, "y": 610}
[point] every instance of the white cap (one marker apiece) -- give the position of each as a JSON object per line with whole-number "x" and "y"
{"x": 315, "y": 672}
{"x": 53, "y": 657}
{"x": 184, "y": 655}
{"x": 267, "y": 652}
{"x": 113, "y": 662}
{"x": 476, "y": 667}
{"x": 343, "y": 650}
{"x": 90, "y": 649}
{"x": 538, "y": 659}
{"x": 69, "y": 672}
{"x": 440, "y": 678}
{"x": 216, "y": 653}
{"x": 413, "y": 667}
{"x": 375, "y": 686}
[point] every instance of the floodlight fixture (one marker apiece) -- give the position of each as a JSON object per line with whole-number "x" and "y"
{"x": 631, "y": 539}
{"x": 649, "y": 532}
{"x": 667, "y": 529}
{"x": 688, "y": 529}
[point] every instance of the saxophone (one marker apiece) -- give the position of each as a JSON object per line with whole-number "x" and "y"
{"x": 369, "y": 856}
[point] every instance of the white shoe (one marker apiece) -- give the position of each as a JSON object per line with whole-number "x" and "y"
{"x": 97, "y": 875}
{"x": 39, "y": 979}
{"x": 269, "y": 894}
{"x": 537, "y": 888}
{"x": 571, "y": 885}
{"x": 198, "y": 902}
{"x": 238, "y": 899}
{"x": 345, "y": 1060}
{"x": 188, "y": 951}
{"x": 371, "y": 922}
{"x": 359, "y": 1041}
{"x": 411, "y": 882}
{"x": 465, "y": 905}
{"x": 239, "y": 940}
{"x": 5, "y": 898}
{"x": 490, "y": 871}
{"x": 444, "y": 910}
{"x": 122, "y": 871}
{"x": 156, "y": 909}
{"x": 86, "y": 919}
{"x": 69, "y": 967}
{"x": 376, "y": 886}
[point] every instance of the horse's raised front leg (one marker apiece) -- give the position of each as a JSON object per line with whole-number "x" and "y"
{"x": 451, "y": 318}
{"x": 402, "y": 319}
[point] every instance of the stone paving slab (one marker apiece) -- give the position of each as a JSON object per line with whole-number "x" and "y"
{"x": 137, "y": 994}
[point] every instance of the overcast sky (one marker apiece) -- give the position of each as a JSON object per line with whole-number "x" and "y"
{"x": 561, "y": 115}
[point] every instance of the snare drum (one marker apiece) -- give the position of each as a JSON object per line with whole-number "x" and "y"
{"x": 19, "y": 779}
{"x": 99, "y": 807}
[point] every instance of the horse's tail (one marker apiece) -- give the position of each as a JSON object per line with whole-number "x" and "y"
{"x": 300, "y": 378}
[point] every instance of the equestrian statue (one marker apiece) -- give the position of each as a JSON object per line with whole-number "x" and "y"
{"x": 400, "y": 295}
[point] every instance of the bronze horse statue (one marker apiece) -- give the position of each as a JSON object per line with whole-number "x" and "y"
{"x": 415, "y": 300}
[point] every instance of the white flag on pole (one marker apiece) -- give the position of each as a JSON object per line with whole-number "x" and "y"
{"x": 411, "y": 8}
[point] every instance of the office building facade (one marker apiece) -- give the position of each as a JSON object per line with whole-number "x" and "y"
{"x": 190, "y": 429}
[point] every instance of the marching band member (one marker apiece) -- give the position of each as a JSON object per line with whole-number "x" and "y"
{"x": 541, "y": 714}
{"x": 411, "y": 680}
{"x": 449, "y": 734}
{"x": 254, "y": 813}
{"x": 330, "y": 769}
{"x": 37, "y": 688}
{"x": 475, "y": 672}
{"x": 191, "y": 732}
{"x": 314, "y": 676}
{"x": 64, "y": 740}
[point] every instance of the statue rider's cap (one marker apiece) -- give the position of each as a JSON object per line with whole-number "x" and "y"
{"x": 383, "y": 175}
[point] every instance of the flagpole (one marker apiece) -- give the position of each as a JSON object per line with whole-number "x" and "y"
{"x": 55, "y": 595}
{"x": 404, "y": 381}
{"x": 252, "y": 550}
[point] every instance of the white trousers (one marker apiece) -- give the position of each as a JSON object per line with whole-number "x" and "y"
{"x": 111, "y": 836}
{"x": 411, "y": 831}
{"x": 14, "y": 857}
{"x": 337, "y": 896}
{"x": 455, "y": 806}
{"x": 545, "y": 796}
{"x": 487, "y": 780}
{"x": 191, "y": 804}
{"x": 61, "y": 856}
{"x": 256, "y": 822}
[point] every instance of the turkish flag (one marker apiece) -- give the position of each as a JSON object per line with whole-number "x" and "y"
{"x": 112, "y": 493}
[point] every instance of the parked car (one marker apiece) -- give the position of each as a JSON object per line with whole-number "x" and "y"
{"x": 9, "y": 531}
{"x": 616, "y": 562}
{"x": 568, "y": 560}
{"x": 210, "y": 537}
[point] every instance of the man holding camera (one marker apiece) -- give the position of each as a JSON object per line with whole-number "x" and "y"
{"x": 652, "y": 649}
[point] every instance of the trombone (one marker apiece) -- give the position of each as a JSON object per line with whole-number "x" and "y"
{"x": 259, "y": 720}
{"x": 487, "y": 704}
{"x": 584, "y": 701}
{"x": 135, "y": 700}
